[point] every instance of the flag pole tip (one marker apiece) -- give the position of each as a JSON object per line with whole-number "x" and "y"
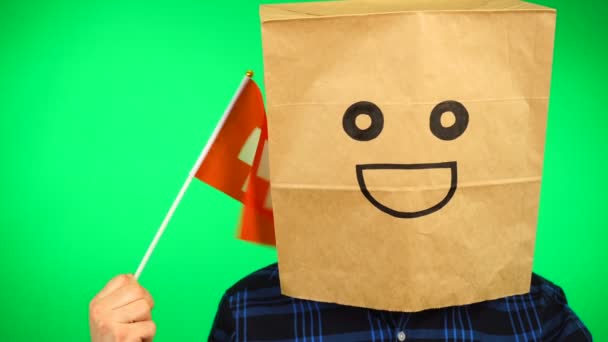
{"x": 249, "y": 73}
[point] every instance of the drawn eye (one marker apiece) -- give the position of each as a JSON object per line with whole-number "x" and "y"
{"x": 460, "y": 118}
{"x": 357, "y": 113}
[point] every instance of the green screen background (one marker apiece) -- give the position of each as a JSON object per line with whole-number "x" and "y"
{"x": 104, "y": 107}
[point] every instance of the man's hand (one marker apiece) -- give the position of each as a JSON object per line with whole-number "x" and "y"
{"x": 121, "y": 311}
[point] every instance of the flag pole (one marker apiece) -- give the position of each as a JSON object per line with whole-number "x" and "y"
{"x": 191, "y": 175}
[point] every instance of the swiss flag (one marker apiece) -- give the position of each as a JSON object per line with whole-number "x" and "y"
{"x": 257, "y": 223}
{"x": 237, "y": 164}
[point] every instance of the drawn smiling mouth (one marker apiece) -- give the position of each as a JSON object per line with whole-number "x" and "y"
{"x": 408, "y": 214}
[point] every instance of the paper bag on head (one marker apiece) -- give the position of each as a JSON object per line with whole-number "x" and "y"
{"x": 406, "y": 148}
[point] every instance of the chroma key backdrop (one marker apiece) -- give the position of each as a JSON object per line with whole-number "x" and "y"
{"x": 104, "y": 107}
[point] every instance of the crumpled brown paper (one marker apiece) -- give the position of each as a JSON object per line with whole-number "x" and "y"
{"x": 406, "y": 148}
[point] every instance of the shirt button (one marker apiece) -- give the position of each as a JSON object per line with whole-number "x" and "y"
{"x": 401, "y": 336}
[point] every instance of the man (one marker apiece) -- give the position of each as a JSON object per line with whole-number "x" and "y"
{"x": 255, "y": 310}
{"x": 406, "y": 143}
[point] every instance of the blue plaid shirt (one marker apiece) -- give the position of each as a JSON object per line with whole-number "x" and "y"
{"x": 255, "y": 310}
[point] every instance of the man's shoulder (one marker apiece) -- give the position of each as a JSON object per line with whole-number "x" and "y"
{"x": 264, "y": 281}
{"x": 547, "y": 290}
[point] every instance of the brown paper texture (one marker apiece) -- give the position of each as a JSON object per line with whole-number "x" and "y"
{"x": 435, "y": 203}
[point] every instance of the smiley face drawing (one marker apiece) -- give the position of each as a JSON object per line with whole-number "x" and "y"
{"x": 376, "y": 126}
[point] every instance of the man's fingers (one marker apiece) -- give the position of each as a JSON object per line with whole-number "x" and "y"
{"x": 142, "y": 330}
{"x": 136, "y": 311}
{"x": 114, "y": 284}
{"x": 127, "y": 294}
{"x": 121, "y": 311}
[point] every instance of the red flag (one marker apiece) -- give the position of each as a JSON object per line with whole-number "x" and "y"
{"x": 237, "y": 164}
{"x": 257, "y": 220}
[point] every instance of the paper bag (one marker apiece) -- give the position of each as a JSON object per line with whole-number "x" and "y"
{"x": 406, "y": 148}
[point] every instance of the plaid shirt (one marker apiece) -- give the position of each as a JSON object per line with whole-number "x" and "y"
{"x": 254, "y": 310}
